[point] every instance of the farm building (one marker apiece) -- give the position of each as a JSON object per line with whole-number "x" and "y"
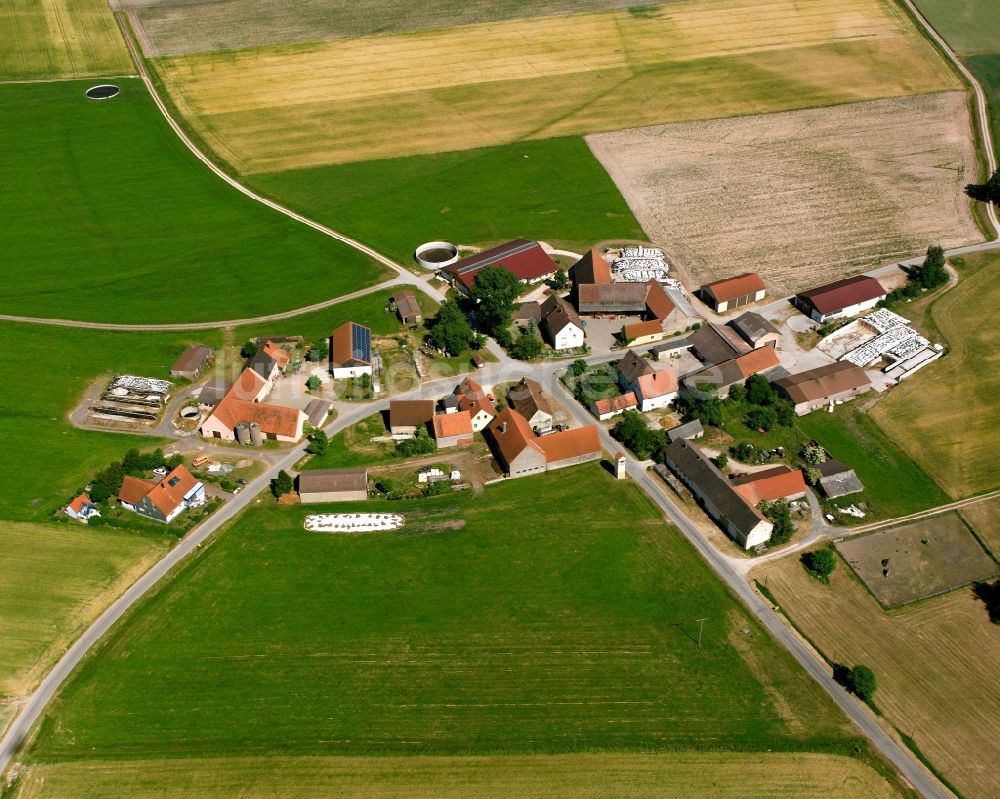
{"x": 781, "y": 482}
{"x": 639, "y": 333}
{"x": 351, "y": 351}
{"x": 406, "y": 416}
{"x": 737, "y": 517}
{"x": 191, "y": 362}
{"x": 840, "y": 299}
{"x": 688, "y": 430}
{"x": 814, "y": 388}
{"x": 211, "y": 393}
{"x": 526, "y": 398}
{"x": 470, "y": 397}
{"x": 453, "y": 429}
{"x": 837, "y": 480}
{"x": 604, "y": 409}
{"x": 265, "y": 366}
{"x": 714, "y": 343}
{"x": 526, "y": 260}
{"x": 590, "y": 269}
{"x": 242, "y": 405}
{"x": 648, "y": 300}
{"x": 560, "y": 324}
{"x": 528, "y": 312}
{"x": 316, "y": 411}
{"x": 82, "y": 509}
{"x": 333, "y": 485}
{"x": 723, "y": 376}
{"x": 652, "y": 388}
{"x": 407, "y": 307}
{"x": 278, "y": 354}
{"x": 756, "y": 330}
{"x": 520, "y": 452}
{"x": 162, "y": 501}
{"x": 733, "y": 292}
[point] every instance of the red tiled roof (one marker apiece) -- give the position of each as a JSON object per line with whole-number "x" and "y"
{"x": 133, "y": 489}
{"x": 755, "y": 361}
{"x": 474, "y": 404}
{"x": 658, "y": 302}
{"x": 78, "y": 504}
{"x": 656, "y": 384}
{"x": 512, "y": 435}
{"x": 780, "y": 482}
{"x": 591, "y": 268}
{"x": 625, "y": 402}
{"x": 169, "y": 492}
{"x": 447, "y": 425}
{"x": 246, "y": 387}
{"x": 280, "y": 356}
{"x": 525, "y": 259}
{"x": 570, "y": 443}
{"x": 732, "y": 287}
{"x": 843, "y": 293}
{"x": 640, "y": 329}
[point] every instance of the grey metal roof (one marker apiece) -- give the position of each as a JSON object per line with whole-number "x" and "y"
{"x": 317, "y": 410}
{"x": 752, "y": 326}
{"x": 262, "y": 363}
{"x": 692, "y": 429}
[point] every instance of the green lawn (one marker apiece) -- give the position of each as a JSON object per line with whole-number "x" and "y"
{"x": 894, "y": 485}
{"x": 986, "y": 68}
{"x": 353, "y": 446}
{"x": 464, "y": 632}
{"x": 107, "y": 216}
{"x": 969, "y": 26}
{"x": 553, "y": 190}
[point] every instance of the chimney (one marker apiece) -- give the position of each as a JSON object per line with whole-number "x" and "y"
{"x": 503, "y": 427}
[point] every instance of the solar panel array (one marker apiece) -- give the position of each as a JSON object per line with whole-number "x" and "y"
{"x": 361, "y": 343}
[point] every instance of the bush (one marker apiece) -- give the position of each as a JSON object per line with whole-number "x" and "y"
{"x": 720, "y": 460}
{"x": 813, "y": 454}
{"x": 314, "y": 383}
{"x": 820, "y": 563}
{"x": 813, "y": 475}
{"x": 249, "y": 349}
{"x": 227, "y": 485}
{"x": 780, "y": 515}
{"x": 526, "y": 347}
{"x": 761, "y": 418}
{"x": 738, "y": 393}
{"x": 318, "y": 443}
{"x": 421, "y": 444}
{"x": 437, "y": 488}
{"x": 282, "y": 484}
{"x": 861, "y": 682}
{"x": 578, "y": 367}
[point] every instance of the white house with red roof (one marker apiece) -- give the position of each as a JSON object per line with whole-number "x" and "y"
{"x": 165, "y": 500}
{"x": 82, "y": 509}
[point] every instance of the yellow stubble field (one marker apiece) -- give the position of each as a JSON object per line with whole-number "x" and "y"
{"x": 285, "y": 107}
{"x": 937, "y": 663}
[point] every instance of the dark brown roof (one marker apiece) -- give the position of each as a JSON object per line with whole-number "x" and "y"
{"x": 617, "y": 297}
{"x": 527, "y": 312}
{"x": 410, "y": 413}
{"x": 559, "y": 314}
{"x": 526, "y": 398}
{"x": 823, "y": 381}
{"x": 406, "y": 303}
{"x": 696, "y": 468}
{"x": 322, "y": 481}
{"x": 192, "y": 359}
{"x": 632, "y": 366}
{"x": 730, "y": 288}
{"x": 717, "y": 343}
{"x": 842, "y": 294}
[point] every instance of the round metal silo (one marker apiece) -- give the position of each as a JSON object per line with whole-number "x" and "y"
{"x": 243, "y": 433}
{"x": 256, "y": 437}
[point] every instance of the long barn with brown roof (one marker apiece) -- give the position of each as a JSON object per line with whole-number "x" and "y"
{"x": 733, "y": 292}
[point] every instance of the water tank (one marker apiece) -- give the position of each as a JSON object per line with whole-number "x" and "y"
{"x": 243, "y": 433}
{"x": 256, "y": 437}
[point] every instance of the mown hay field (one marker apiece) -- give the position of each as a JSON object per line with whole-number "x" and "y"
{"x": 937, "y": 663}
{"x": 463, "y": 633}
{"x": 729, "y": 775}
{"x": 969, "y": 26}
{"x": 175, "y": 27}
{"x": 914, "y": 561}
{"x": 803, "y": 197}
{"x": 60, "y": 39}
{"x": 108, "y": 217}
{"x": 945, "y": 416}
{"x": 984, "y": 517}
{"x": 54, "y": 580}
{"x": 286, "y": 107}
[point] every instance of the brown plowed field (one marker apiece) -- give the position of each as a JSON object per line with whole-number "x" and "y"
{"x": 803, "y": 197}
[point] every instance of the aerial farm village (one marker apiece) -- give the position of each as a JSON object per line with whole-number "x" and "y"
{"x": 413, "y": 408}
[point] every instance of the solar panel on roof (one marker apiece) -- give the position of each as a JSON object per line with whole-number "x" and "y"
{"x": 361, "y": 343}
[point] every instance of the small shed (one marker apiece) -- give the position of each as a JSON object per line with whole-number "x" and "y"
{"x": 192, "y": 361}
{"x": 407, "y": 307}
{"x": 333, "y": 485}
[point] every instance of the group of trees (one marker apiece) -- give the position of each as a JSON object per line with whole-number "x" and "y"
{"x": 527, "y": 345}
{"x": 108, "y": 482}
{"x": 779, "y": 514}
{"x": 703, "y": 405}
{"x": 820, "y": 563}
{"x": 929, "y": 275}
{"x": 449, "y": 329}
{"x": 769, "y": 410}
{"x": 318, "y": 443}
{"x": 420, "y": 444}
{"x": 632, "y": 431}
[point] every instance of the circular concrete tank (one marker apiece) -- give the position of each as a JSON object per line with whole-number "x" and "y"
{"x": 436, "y": 254}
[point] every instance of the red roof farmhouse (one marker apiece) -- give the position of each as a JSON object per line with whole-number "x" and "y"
{"x": 525, "y": 259}
{"x": 841, "y": 298}
{"x": 350, "y": 351}
{"x": 520, "y": 452}
{"x": 162, "y": 501}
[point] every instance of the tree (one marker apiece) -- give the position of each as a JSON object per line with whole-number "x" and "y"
{"x": 738, "y": 393}
{"x": 313, "y": 383}
{"x": 282, "y": 484}
{"x": 249, "y": 349}
{"x": 632, "y": 431}
{"x": 561, "y": 280}
{"x": 578, "y": 367}
{"x": 316, "y": 353}
{"x": 153, "y": 460}
{"x": 318, "y": 443}
{"x": 760, "y": 391}
{"x": 861, "y": 682}
{"x": 720, "y": 460}
{"x": 421, "y": 444}
{"x": 988, "y": 192}
{"x": 931, "y": 273}
{"x": 496, "y": 288}
{"x": 745, "y": 452}
{"x": 813, "y": 454}
{"x": 704, "y": 405}
{"x": 785, "y": 412}
{"x": 132, "y": 463}
{"x": 526, "y": 347}
{"x": 761, "y": 418}
{"x": 820, "y": 563}
{"x": 813, "y": 475}
{"x": 780, "y": 515}
{"x": 173, "y": 461}
{"x": 449, "y": 330}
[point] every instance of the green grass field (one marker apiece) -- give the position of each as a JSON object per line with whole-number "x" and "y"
{"x": 108, "y": 217}
{"x": 462, "y": 633}
{"x": 986, "y": 68}
{"x": 52, "y": 580}
{"x": 894, "y": 485}
{"x": 553, "y": 190}
{"x": 721, "y": 775}
{"x": 945, "y": 416}
{"x": 60, "y": 38}
{"x": 969, "y": 26}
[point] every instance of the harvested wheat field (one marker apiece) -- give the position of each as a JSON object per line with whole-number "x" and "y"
{"x": 586, "y": 776}
{"x": 285, "y": 107}
{"x": 60, "y": 38}
{"x": 803, "y": 197}
{"x": 984, "y": 518}
{"x": 937, "y": 664}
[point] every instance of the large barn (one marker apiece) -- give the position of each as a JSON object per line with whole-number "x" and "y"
{"x": 525, "y": 259}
